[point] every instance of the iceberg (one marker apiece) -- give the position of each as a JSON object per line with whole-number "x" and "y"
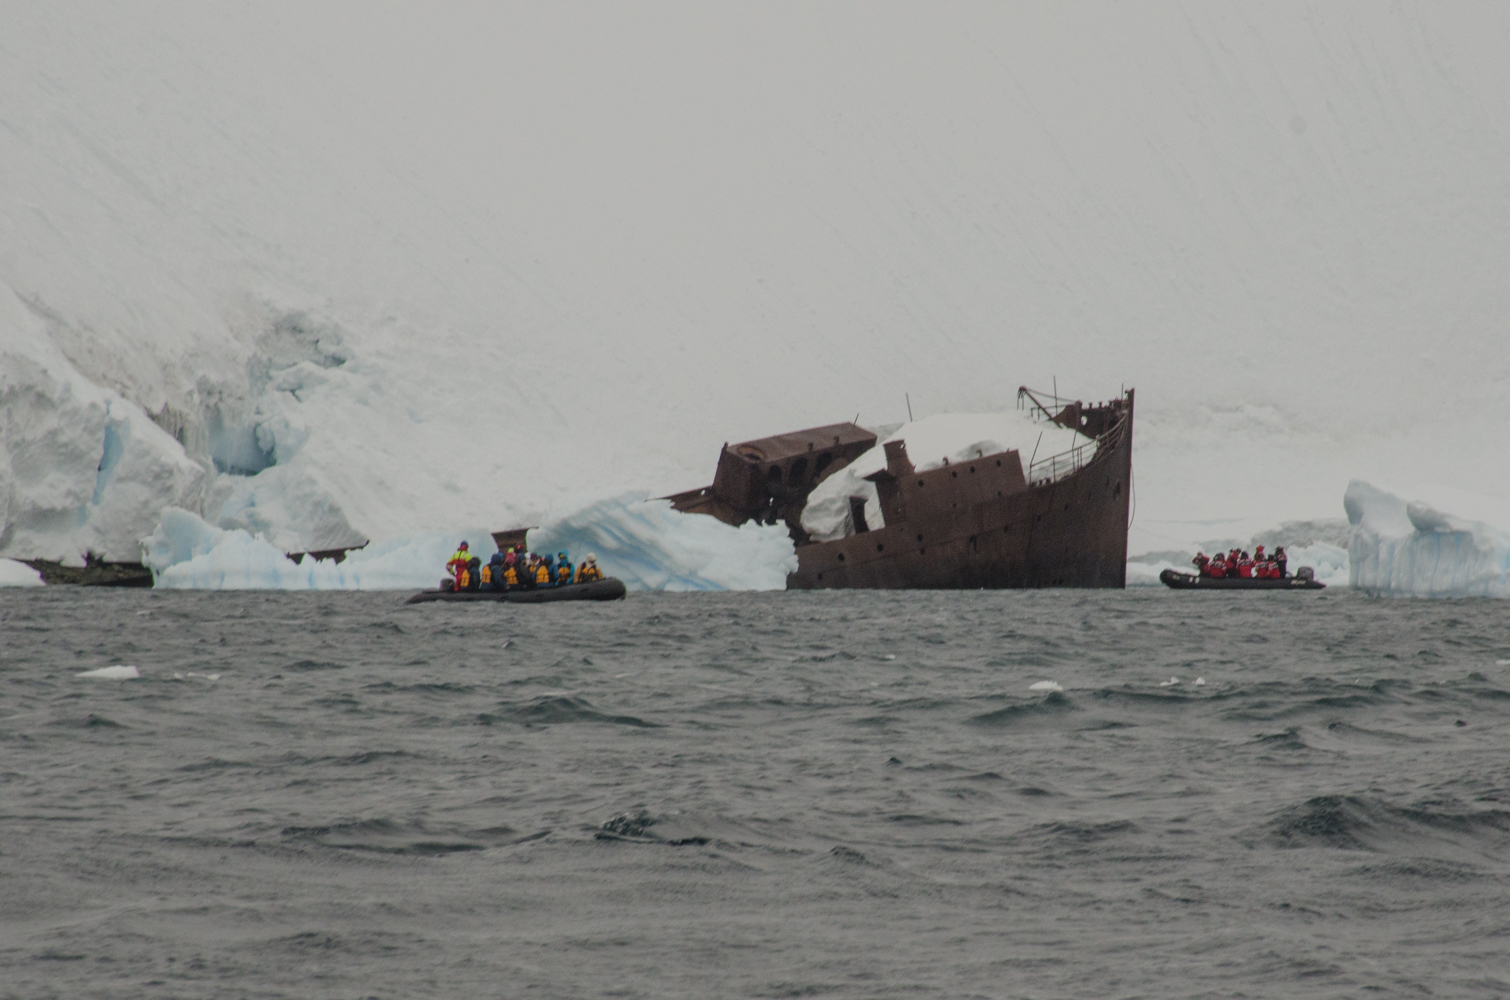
{"x": 652, "y": 547}
{"x": 122, "y": 672}
{"x": 642, "y": 542}
{"x": 18, "y": 574}
{"x": 1446, "y": 543}
{"x": 187, "y": 553}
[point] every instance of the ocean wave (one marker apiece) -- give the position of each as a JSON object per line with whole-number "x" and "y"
{"x": 558, "y": 709}
{"x": 1365, "y": 823}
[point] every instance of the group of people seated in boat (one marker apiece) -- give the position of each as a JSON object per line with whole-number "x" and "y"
{"x": 1238, "y": 564}
{"x": 513, "y": 570}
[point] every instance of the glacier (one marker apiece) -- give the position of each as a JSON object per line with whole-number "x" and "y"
{"x": 323, "y": 278}
{"x": 1446, "y": 542}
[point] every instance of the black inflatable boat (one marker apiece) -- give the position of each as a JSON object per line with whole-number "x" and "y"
{"x": 609, "y": 589}
{"x": 1189, "y": 581}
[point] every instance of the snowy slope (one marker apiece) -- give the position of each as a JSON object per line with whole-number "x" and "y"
{"x": 375, "y": 272}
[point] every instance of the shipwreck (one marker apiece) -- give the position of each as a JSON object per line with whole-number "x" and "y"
{"x": 991, "y": 522}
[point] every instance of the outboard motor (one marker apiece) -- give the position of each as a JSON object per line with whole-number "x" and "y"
{"x": 1305, "y": 573}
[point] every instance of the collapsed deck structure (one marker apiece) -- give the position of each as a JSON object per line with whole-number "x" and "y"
{"x": 992, "y": 522}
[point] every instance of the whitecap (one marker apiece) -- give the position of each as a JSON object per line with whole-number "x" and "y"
{"x": 123, "y": 672}
{"x": 1045, "y": 686}
{"x": 1169, "y": 683}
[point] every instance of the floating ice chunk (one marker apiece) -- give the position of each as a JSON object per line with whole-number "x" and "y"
{"x": 124, "y": 672}
{"x": 1419, "y": 549}
{"x": 1045, "y": 686}
{"x": 643, "y": 542}
{"x": 1169, "y": 683}
{"x": 1502, "y": 663}
{"x": 1200, "y": 682}
{"x": 650, "y": 546}
{"x": 18, "y": 574}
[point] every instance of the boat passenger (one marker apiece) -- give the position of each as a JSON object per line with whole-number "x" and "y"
{"x": 474, "y": 573}
{"x": 564, "y": 570}
{"x": 1280, "y": 560}
{"x": 1233, "y": 558}
{"x": 542, "y": 571}
{"x": 493, "y": 577}
{"x": 457, "y": 564}
{"x": 1216, "y": 566}
{"x": 1245, "y": 566}
{"x": 1201, "y": 562}
{"x": 510, "y": 575}
{"x": 588, "y": 571}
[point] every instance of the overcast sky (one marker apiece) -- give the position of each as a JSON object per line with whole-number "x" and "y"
{"x": 1286, "y": 224}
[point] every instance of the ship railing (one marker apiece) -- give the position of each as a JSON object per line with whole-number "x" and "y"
{"x": 1067, "y": 463}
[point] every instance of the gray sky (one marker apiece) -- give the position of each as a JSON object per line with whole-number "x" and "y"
{"x": 1286, "y": 224}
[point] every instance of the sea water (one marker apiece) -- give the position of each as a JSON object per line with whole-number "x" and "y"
{"x": 754, "y": 795}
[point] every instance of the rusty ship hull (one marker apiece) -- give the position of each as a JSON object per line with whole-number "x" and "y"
{"x": 992, "y": 523}
{"x": 982, "y": 525}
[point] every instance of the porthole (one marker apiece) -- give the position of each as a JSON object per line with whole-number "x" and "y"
{"x": 954, "y": 475}
{"x": 880, "y": 548}
{"x": 920, "y": 539}
{"x": 998, "y": 463}
{"x": 920, "y": 484}
{"x": 972, "y": 468}
{"x": 841, "y": 556}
